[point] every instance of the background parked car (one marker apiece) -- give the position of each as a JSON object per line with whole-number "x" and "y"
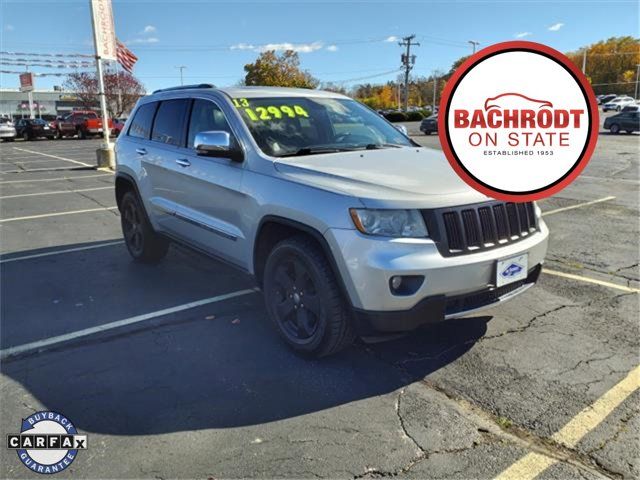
{"x": 631, "y": 108}
{"x": 628, "y": 121}
{"x": 85, "y": 124}
{"x": 429, "y": 125}
{"x": 32, "y": 128}
{"x": 606, "y": 98}
{"x": 617, "y": 104}
{"x": 7, "y": 130}
{"x": 118, "y": 125}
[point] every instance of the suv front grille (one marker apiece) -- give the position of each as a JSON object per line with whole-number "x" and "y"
{"x": 481, "y": 226}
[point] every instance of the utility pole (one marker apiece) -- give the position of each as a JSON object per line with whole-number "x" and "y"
{"x": 637, "y": 75}
{"x": 408, "y": 61}
{"x": 474, "y": 44}
{"x": 435, "y": 83}
{"x": 584, "y": 61}
{"x": 181, "y": 67}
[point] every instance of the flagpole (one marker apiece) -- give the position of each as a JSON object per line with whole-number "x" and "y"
{"x": 105, "y": 152}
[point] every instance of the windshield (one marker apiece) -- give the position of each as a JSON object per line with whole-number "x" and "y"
{"x": 38, "y": 121}
{"x": 284, "y": 126}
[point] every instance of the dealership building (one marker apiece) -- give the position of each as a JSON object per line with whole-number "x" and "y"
{"x": 47, "y": 104}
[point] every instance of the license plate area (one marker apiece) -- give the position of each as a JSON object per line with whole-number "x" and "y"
{"x": 512, "y": 269}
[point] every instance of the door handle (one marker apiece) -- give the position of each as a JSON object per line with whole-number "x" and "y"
{"x": 183, "y": 162}
{"x": 141, "y": 151}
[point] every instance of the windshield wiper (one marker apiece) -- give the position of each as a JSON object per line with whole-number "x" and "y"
{"x": 314, "y": 150}
{"x": 378, "y": 146}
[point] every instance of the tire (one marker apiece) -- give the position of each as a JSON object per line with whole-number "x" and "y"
{"x": 143, "y": 243}
{"x": 618, "y": 109}
{"x": 25, "y": 136}
{"x": 629, "y": 132}
{"x": 615, "y": 129}
{"x": 81, "y": 134}
{"x": 297, "y": 267}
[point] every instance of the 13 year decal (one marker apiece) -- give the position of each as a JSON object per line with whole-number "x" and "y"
{"x": 518, "y": 121}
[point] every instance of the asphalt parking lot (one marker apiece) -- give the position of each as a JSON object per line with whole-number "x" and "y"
{"x": 174, "y": 371}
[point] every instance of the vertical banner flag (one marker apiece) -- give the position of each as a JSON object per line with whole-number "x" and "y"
{"x": 26, "y": 82}
{"x": 104, "y": 29}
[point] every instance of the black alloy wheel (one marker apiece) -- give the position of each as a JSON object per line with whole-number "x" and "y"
{"x": 303, "y": 299}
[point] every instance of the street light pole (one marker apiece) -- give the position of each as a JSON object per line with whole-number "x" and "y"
{"x": 474, "y": 44}
{"x": 181, "y": 67}
{"x": 637, "y": 75}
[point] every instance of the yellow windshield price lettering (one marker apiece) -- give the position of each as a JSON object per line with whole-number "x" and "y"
{"x": 241, "y": 102}
{"x": 269, "y": 112}
{"x": 300, "y": 111}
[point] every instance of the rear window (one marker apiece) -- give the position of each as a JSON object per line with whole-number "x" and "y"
{"x": 169, "y": 125}
{"x": 141, "y": 123}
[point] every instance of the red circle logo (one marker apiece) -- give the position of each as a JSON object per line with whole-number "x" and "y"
{"x": 518, "y": 121}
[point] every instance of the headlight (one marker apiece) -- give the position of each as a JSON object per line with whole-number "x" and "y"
{"x": 389, "y": 223}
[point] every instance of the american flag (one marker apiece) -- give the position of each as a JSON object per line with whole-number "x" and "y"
{"x": 126, "y": 58}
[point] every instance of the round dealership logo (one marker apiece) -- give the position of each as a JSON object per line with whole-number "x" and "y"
{"x": 518, "y": 121}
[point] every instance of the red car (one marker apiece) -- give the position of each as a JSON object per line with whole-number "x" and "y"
{"x": 85, "y": 124}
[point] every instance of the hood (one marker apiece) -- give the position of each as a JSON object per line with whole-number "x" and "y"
{"x": 386, "y": 178}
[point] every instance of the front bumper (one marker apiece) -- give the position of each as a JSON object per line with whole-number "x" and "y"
{"x": 367, "y": 264}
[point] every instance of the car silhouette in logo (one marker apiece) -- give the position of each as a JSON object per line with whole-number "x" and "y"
{"x": 513, "y": 101}
{"x": 512, "y": 270}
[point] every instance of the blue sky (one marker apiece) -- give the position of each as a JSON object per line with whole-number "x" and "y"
{"x": 348, "y": 41}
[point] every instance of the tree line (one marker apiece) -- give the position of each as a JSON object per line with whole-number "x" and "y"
{"x": 610, "y": 67}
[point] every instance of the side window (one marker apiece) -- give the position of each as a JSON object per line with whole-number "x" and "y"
{"x": 206, "y": 116}
{"x": 141, "y": 124}
{"x": 168, "y": 126}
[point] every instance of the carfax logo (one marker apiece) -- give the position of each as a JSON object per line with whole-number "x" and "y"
{"x": 48, "y": 442}
{"x": 518, "y": 121}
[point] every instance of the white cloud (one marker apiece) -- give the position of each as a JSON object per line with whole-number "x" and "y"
{"x": 149, "y": 29}
{"x": 556, "y": 26}
{"x": 280, "y": 47}
{"x": 141, "y": 41}
{"x": 522, "y": 34}
{"x": 392, "y": 38}
{"x": 9, "y": 28}
{"x": 332, "y": 48}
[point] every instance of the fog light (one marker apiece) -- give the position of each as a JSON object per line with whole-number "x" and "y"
{"x": 405, "y": 284}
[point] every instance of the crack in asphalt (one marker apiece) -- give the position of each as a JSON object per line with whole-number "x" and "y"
{"x": 579, "y": 266}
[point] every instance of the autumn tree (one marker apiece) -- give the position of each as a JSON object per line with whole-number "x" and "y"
{"x": 274, "y": 70}
{"x": 122, "y": 90}
{"x": 611, "y": 64}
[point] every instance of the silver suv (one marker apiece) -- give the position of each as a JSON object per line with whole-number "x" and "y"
{"x": 348, "y": 226}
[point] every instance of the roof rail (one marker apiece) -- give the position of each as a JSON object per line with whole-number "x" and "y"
{"x": 186, "y": 87}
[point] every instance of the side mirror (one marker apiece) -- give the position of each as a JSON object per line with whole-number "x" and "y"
{"x": 217, "y": 144}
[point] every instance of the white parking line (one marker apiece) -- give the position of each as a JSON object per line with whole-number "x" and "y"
{"x": 56, "y": 192}
{"x": 29, "y": 162}
{"x": 40, "y": 344}
{"x": 56, "y": 179}
{"x": 58, "y": 252}
{"x": 595, "y": 281}
{"x": 45, "y": 215}
{"x": 579, "y": 205}
{"x": 53, "y": 156}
